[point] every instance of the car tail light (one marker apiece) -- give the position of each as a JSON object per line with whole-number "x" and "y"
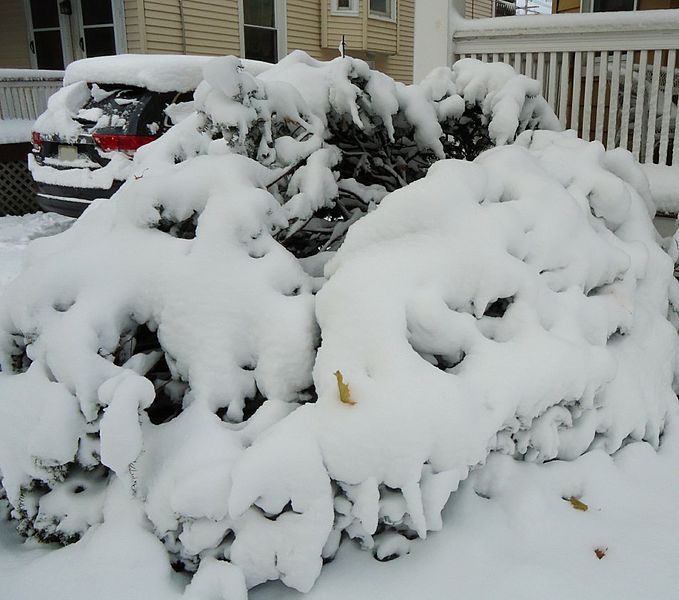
{"x": 124, "y": 143}
{"x": 36, "y": 141}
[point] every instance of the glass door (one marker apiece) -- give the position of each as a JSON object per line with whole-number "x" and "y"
{"x": 96, "y": 27}
{"x": 50, "y": 36}
{"x": 65, "y": 30}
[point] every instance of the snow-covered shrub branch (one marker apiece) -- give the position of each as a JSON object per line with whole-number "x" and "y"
{"x": 339, "y": 136}
{"x": 180, "y": 343}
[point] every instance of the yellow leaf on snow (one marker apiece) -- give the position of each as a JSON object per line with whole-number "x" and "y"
{"x": 344, "y": 392}
{"x": 578, "y": 504}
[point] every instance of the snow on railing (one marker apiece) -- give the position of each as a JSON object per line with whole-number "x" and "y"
{"x": 24, "y": 92}
{"x": 613, "y": 77}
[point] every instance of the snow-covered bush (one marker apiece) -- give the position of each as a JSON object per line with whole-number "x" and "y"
{"x": 190, "y": 340}
{"x": 339, "y": 136}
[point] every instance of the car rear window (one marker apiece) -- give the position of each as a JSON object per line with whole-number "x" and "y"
{"x": 113, "y": 109}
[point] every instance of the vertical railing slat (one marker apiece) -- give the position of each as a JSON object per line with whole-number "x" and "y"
{"x": 626, "y": 100}
{"x": 589, "y": 87}
{"x": 540, "y": 75}
{"x": 518, "y": 60}
{"x": 601, "y": 96}
{"x": 667, "y": 107}
{"x": 613, "y": 101}
{"x": 551, "y": 89}
{"x": 653, "y": 107}
{"x": 639, "y": 105}
{"x": 563, "y": 88}
{"x": 529, "y": 64}
{"x": 575, "y": 100}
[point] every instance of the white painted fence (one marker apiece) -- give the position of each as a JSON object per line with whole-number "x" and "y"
{"x": 24, "y": 92}
{"x": 613, "y": 77}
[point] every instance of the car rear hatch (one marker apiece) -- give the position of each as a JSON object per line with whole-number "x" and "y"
{"x": 114, "y": 119}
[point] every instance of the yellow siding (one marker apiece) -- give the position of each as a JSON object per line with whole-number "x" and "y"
{"x": 400, "y": 65}
{"x": 566, "y": 6}
{"x": 351, "y": 27}
{"x": 478, "y": 9}
{"x": 313, "y": 28}
{"x": 212, "y": 28}
{"x": 14, "y": 52}
{"x": 382, "y": 36}
{"x": 304, "y": 26}
{"x": 190, "y": 27}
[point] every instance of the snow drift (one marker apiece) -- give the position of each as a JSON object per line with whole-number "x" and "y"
{"x": 184, "y": 342}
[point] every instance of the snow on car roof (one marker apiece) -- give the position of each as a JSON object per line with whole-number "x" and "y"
{"x": 159, "y": 73}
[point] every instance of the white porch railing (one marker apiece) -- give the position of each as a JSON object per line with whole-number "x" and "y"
{"x": 24, "y": 92}
{"x": 613, "y": 77}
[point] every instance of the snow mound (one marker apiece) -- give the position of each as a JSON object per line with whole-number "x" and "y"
{"x": 15, "y": 131}
{"x": 158, "y": 73}
{"x": 193, "y": 346}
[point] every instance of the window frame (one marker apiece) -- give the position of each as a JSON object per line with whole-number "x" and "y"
{"x": 390, "y": 17}
{"x": 71, "y": 30}
{"x": 352, "y": 11}
{"x": 280, "y": 26}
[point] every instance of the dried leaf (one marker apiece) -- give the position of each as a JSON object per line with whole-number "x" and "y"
{"x": 578, "y": 504}
{"x": 600, "y": 552}
{"x": 344, "y": 392}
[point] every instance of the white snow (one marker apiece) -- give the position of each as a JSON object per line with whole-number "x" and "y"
{"x": 490, "y": 317}
{"x": 156, "y": 72}
{"x": 664, "y": 183}
{"x": 15, "y": 131}
{"x": 17, "y": 232}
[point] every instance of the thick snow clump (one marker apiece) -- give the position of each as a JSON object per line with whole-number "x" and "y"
{"x": 189, "y": 342}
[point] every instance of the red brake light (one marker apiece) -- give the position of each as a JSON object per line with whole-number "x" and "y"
{"x": 128, "y": 143}
{"x": 36, "y": 141}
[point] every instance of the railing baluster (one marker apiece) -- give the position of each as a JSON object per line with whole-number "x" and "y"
{"x": 626, "y": 99}
{"x": 613, "y": 101}
{"x": 639, "y": 105}
{"x": 517, "y": 62}
{"x": 587, "y": 108}
{"x": 540, "y": 75}
{"x": 666, "y": 108}
{"x": 496, "y": 57}
{"x": 575, "y": 101}
{"x": 601, "y": 96}
{"x": 563, "y": 88}
{"x": 551, "y": 90}
{"x": 4, "y": 104}
{"x": 529, "y": 64}
{"x": 505, "y": 58}
{"x": 653, "y": 107}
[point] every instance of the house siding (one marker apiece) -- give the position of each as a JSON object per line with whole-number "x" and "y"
{"x": 400, "y": 65}
{"x": 478, "y": 9}
{"x": 133, "y": 26}
{"x": 390, "y": 45}
{"x": 14, "y": 52}
{"x": 209, "y": 28}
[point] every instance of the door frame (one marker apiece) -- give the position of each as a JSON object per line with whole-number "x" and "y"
{"x": 71, "y": 30}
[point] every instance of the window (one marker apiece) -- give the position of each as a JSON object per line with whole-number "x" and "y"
{"x": 259, "y": 30}
{"x": 382, "y": 8}
{"x": 45, "y": 44}
{"x": 344, "y": 7}
{"x": 613, "y": 5}
{"x": 98, "y": 29}
{"x": 61, "y": 31}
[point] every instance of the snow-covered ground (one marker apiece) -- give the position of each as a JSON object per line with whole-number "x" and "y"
{"x": 14, "y": 131}
{"x": 509, "y": 531}
{"x": 16, "y": 232}
{"x": 507, "y": 328}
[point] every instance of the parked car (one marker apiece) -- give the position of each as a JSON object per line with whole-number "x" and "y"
{"x": 108, "y": 108}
